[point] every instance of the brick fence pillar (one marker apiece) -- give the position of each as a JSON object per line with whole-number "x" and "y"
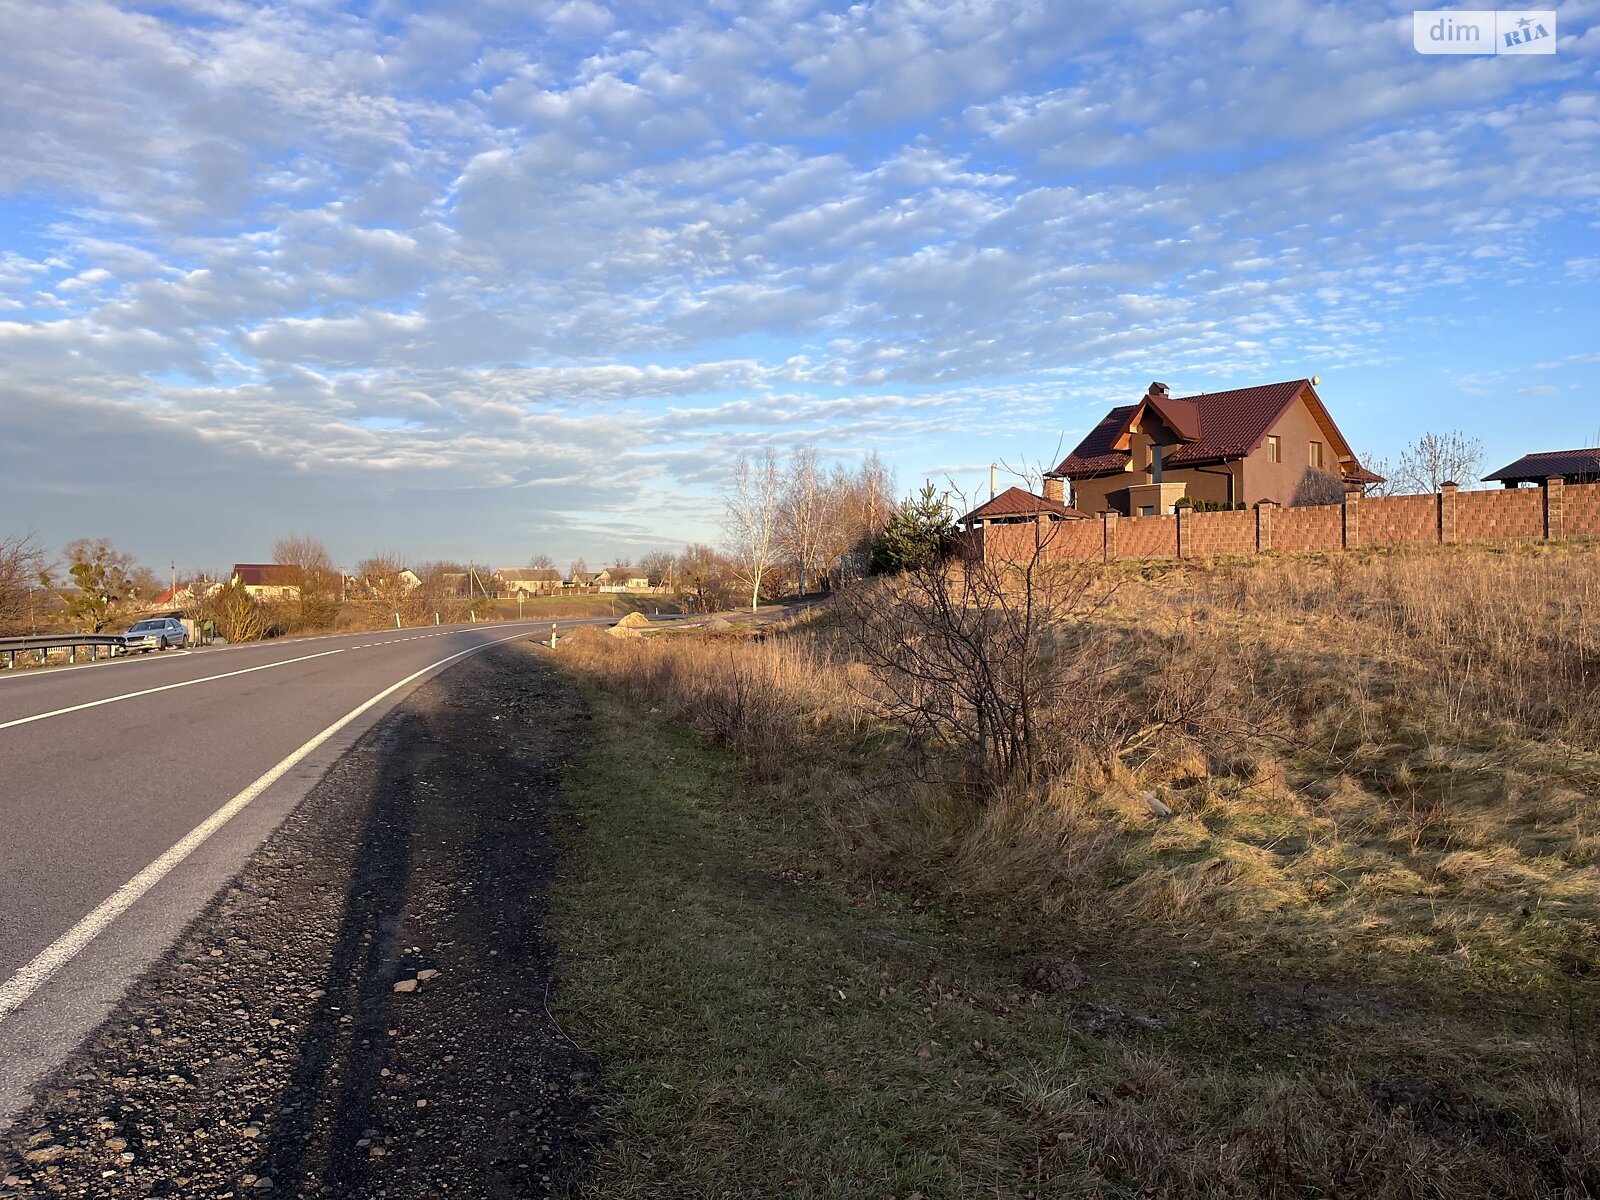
{"x": 1177, "y": 524}
{"x": 1108, "y": 524}
{"x": 1447, "y": 514}
{"x": 1352, "y": 520}
{"x": 1555, "y": 518}
{"x": 1264, "y": 525}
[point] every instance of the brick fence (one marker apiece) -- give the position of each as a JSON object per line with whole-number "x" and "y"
{"x": 1553, "y": 512}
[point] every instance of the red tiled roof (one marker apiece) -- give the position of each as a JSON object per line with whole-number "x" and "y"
{"x": 1229, "y": 425}
{"x": 1550, "y": 462}
{"x": 1179, "y": 416}
{"x": 266, "y": 574}
{"x": 1014, "y": 502}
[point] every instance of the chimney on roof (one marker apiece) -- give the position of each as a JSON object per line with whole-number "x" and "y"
{"x": 1158, "y": 389}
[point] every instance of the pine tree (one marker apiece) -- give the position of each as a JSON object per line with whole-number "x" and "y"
{"x": 914, "y": 534}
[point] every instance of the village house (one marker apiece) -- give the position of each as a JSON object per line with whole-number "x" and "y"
{"x": 266, "y": 581}
{"x": 622, "y": 579}
{"x": 522, "y": 582}
{"x": 1275, "y": 442}
{"x": 1014, "y": 506}
{"x": 1570, "y": 466}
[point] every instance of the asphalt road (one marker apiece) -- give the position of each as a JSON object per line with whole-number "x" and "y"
{"x": 105, "y": 769}
{"x": 361, "y": 1011}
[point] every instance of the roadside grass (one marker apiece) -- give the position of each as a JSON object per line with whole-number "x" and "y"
{"x": 562, "y": 607}
{"x": 774, "y": 1019}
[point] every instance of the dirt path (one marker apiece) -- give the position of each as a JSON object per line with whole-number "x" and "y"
{"x": 364, "y": 1011}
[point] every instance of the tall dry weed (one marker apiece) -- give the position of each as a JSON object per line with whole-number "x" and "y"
{"x": 1334, "y": 736}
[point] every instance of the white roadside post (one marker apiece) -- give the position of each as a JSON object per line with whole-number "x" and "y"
{"x": 552, "y": 635}
{"x": 397, "y": 620}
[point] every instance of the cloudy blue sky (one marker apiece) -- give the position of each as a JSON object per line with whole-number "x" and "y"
{"x": 515, "y": 276}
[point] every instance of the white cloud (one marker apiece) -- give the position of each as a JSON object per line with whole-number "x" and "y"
{"x": 495, "y": 247}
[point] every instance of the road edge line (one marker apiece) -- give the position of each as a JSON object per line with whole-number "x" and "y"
{"x": 29, "y": 978}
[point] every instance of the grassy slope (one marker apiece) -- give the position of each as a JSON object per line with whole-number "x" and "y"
{"x": 771, "y": 1026}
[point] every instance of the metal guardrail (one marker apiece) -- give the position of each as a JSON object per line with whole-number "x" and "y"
{"x": 43, "y": 643}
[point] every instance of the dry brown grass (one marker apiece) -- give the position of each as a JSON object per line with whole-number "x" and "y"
{"x": 1406, "y": 760}
{"x": 1372, "y": 919}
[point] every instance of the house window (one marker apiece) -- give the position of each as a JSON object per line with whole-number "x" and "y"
{"x": 1274, "y": 449}
{"x": 1316, "y": 455}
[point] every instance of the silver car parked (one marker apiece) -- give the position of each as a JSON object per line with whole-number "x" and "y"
{"x": 158, "y": 633}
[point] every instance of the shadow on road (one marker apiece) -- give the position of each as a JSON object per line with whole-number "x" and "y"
{"x": 330, "y": 1099}
{"x": 462, "y": 1084}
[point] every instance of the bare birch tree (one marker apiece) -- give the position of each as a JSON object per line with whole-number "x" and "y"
{"x": 857, "y": 506}
{"x": 750, "y": 523}
{"x": 800, "y": 513}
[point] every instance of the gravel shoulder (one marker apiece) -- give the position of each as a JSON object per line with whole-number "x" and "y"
{"x": 364, "y": 1011}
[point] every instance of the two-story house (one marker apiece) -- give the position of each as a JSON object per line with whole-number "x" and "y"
{"x": 1275, "y": 442}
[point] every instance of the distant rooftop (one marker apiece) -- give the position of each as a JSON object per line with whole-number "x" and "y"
{"x": 1539, "y": 467}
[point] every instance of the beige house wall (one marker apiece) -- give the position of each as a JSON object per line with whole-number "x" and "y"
{"x": 1296, "y": 430}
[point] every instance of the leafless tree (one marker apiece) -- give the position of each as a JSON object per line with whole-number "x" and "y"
{"x": 542, "y": 562}
{"x": 1435, "y": 459}
{"x": 974, "y": 657}
{"x": 800, "y": 513}
{"x": 385, "y": 590}
{"x": 659, "y": 566}
{"x": 22, "y": 562}
{"x": 857, "y": 506}
{"x": 750, "y": 522}
{"x": 1317, "y": 487}
{"x": 577, "y": 567}
{"x": 705, "y": 580}
{"x": 318, "y": 580}
{"x": 1004, "y": 669}
{"x": 1380, "y": 466}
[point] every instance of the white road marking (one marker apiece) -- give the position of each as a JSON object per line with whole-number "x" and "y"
{"x": 61, "y": 712}
{"x": 127, "y": 659}
{"x": 16, "y": 990}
